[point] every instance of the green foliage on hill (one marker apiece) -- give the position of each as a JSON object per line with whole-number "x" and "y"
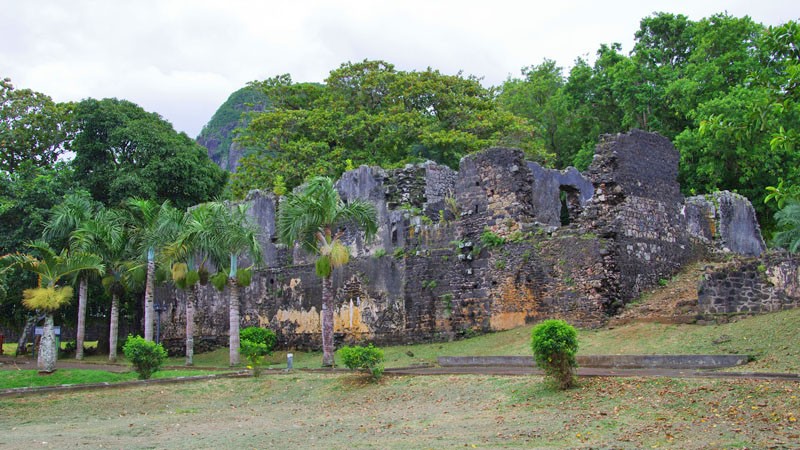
{"x": 218, "y": 134}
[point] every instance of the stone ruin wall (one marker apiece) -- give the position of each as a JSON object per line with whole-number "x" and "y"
{"x": 427, "y": 277}
{"x": 751, "y": 286}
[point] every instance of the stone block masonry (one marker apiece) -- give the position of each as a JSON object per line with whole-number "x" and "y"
{"x": 751, "y": 286}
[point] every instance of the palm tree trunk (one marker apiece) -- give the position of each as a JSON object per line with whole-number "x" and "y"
{"x": 327, "y": 322}
{"x": 46, "y": 360}
{"x": 191, "y": 297}
{"x": 234, "y": 321}
{"x": 148, "y": 299}
{"x": 80, "y": 334}
{"x": 113, "y": 331}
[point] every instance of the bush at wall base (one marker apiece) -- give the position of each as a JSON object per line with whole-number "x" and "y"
{"x": 368, "y": 359}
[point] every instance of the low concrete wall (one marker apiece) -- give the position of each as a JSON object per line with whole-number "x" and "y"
{"x": 608, "y": 361}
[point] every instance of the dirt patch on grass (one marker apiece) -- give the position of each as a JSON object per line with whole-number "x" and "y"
{"x": 675, "y": 302}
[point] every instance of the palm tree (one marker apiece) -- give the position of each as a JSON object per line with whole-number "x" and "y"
{"x": 106, "y": 235}
{"x": 65, "y": 218}
{"x": 315, "y": 218}
{"x": 197, "y": 240}
{"x": 152, "y": 227}
{"x": 788, "y": 220}
{"x": 48, "y": 297}
{"x": 236, "y": 236}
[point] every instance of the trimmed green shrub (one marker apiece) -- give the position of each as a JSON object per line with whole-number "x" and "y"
{"x": 368, "y": 359}
{"x": 555, "y": 344}
{"x": 146, "y": 356}
{"x": 255, "y": 343}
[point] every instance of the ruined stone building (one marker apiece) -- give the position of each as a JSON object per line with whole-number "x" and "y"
{"x": 556, "y": 244}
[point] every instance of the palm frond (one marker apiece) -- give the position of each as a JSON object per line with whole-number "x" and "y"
{"x": 51, "y": 267}
{"x": 788, "y": 220}
{"x": 316, "y": 207}
{"x": 360, "y": 213}
{"x": 78, "y": 262}
{"x": 68, "y": 215}
{"x": 48, "y": 298}
{"x": 339, "y": 254}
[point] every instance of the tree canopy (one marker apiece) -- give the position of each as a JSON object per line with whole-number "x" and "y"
{"x": 33, "y": 127}
{"x": 723, "y": 89}
{"x": 122, "y": 151}
{"x": 371, "y": 113}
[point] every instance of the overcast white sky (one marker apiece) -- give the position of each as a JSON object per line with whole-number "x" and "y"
{"x": 182, "y": 59}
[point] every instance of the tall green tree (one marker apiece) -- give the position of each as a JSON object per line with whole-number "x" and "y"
{"x": 122, "y": 151}
{"x": 196, "y": 245}
{"x": 539, "y": 97}
{"x": 65, "y": 218}
{"x": 314, "y": 217}
{"x": 26, "y": 196}
{"x": 152, "y": 227}
{"x": 236, "y": 236}
{"x": 49, "y": 296}
{"x": 105, "y": 235}
{"x": 739, "y": 140}
{"x": 33, "y": 127}
{"x": 780, "y": 73}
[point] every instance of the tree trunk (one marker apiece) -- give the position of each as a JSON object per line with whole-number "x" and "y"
{"x": 148, "y": 299}
{"x": 234, "y": 321}
{"x": 46, "y": 361}
{"x": 30, "y": 322}
{"x": 327, "y": 322}
{"x": 80, "y": 333}
{"x": 191, "y": 298}
{"x": 113, "y": 331}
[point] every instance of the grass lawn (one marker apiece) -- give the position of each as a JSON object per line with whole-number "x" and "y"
{"x": 30, "y": 378}
{"x": 328, "y": 410}
{"x": 316, "y": 410}
{"x": 772, "y": 339}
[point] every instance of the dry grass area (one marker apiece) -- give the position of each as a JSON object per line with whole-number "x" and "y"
{"x": 313, "y": 410}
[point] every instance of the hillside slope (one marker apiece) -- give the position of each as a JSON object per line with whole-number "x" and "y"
{"x": 218, "y": 134}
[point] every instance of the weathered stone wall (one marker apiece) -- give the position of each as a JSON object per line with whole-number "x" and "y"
{"x": 751, "y": 286}
{"x": 427, "y": 276}
{"x": 548, "y": 185}
{"x": 494, "y": 190}
{"x": 637, "y": 203}
{"x": 726, "y": 221}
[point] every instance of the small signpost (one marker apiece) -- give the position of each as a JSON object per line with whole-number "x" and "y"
{"x": 38, "y": 331}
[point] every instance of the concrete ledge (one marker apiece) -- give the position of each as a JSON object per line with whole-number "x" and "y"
{"x": 607, "y": 361}
{"x": 483, "y": 361}
{"x": 663, "y": 361}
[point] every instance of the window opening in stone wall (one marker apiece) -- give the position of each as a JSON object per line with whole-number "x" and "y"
{"x": 570, "y": 204}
